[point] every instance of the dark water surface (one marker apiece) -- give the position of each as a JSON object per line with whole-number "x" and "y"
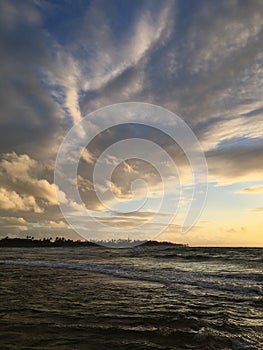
{"x": 143, "y": 298}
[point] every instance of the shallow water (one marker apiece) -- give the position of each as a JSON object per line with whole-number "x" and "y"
{"x": 142, "y": 298}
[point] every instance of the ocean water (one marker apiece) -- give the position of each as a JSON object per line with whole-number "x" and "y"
{"x": 140, "y": 298}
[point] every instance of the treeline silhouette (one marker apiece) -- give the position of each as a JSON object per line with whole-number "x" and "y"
{"x": 30, "y": 241}
{"x": 44, "y": 242}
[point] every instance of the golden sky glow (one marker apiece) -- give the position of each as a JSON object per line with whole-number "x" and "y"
{"x": 59, "y": 63}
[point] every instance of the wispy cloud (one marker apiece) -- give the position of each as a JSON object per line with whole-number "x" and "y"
{"x": 256, "y": 210}
{"x": 203, "y": 62}
{"x": 251, "y": 190}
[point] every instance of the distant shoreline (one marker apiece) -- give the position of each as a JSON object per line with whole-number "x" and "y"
{"x": 62, "y": 242}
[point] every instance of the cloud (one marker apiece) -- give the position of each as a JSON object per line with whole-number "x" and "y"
{"x": 118, "y": 65}
{"x": 180, "y": 72}
{"x": 14, "y": 12}
{"x": 236, "y": 129}
{"x": 87, "y": 156}
{"x": 23, "y": 173}
{"x": 223, "y": 105}
{"x": 147, "y": 29}
{"x": 251, "y": 190}
{"x": 13, "y": 221}
{"x": 203, "y": 62}
{"x": 218, "y": 36}
{"x": 141, "y": 60}
{"x": 52, "y": 224}
{"x": 57, "y": 223}
{"x": 256, "y": 210}
{"x": 29, "y": 115}
{"x": 12, "y": 201}
{"x": 241, "y": 160}
{"x": 134, "y": 219}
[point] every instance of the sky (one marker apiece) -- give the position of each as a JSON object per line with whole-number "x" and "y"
{"x": 202, "y": 60}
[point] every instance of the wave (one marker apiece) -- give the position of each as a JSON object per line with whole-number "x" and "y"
{"x": 242, "y": 283}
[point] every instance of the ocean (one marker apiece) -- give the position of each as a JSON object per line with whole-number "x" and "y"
{"x": 140, "y": 298}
